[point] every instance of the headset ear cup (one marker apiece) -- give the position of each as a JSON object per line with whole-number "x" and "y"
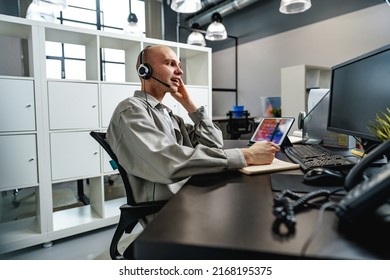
{"x": 145, "y": 71}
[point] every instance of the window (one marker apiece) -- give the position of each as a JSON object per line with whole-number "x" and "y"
{"x": 60, "y": 56}
{"x": 68, "y": 60}
{"x": 113, "y": 66}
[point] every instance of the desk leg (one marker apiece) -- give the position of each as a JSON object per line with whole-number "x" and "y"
{"x": 80, "y": 192}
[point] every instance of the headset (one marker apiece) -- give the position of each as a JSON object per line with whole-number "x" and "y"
{"x": 145, "y": 72}
{"x": 144, "y": 69}
{"x": 288, "y": 203}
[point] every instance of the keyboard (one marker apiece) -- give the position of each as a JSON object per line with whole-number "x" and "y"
{"x": 311, "y": 156}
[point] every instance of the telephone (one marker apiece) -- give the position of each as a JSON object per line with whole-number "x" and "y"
{"x": 365, "y": 195}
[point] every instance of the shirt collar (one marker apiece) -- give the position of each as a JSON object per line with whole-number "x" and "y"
{"x": 154, "y": 103}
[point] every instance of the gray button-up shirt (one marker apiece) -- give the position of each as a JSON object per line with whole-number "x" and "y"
{"x": 157, "y": 161}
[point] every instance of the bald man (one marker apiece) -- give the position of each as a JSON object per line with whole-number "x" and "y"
{"x": 156, "y": 148}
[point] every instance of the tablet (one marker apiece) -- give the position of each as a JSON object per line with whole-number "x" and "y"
{"x": 272, "y": 129}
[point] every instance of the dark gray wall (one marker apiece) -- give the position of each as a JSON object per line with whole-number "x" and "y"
{"x": 263, "y": 19}
{"x": 9, "y": 7}
{"x": 325, "y": 43}
{"x": 253, "y": 22}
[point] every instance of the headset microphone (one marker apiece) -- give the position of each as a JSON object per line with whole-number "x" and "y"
{"x": 161, "y": 82}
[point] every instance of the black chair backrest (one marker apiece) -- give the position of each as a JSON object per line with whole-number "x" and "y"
{"x": 239, "y": 125}
{"x": 100, "y": 137}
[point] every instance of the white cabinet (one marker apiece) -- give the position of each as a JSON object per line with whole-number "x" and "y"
{"x": 171, "y": 103}
{"x": 17, "y": 105}
{"x": 74, "y": 155}
{"x": 112, "y": 94}
{"x": 200, "y": 96}
{"x": 18, "y": 161}
{"x": 296, "y": 82}
{"x": 73, "y": 105}
{"x": 45, "y": 123}
{"x": 106, "y": 166}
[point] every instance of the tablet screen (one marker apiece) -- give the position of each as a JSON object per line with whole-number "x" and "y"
{"x": 272, "y": 129}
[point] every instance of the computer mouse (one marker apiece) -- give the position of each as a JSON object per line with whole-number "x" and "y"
{"x": 321, "y": 176}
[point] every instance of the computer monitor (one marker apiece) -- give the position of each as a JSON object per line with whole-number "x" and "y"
{"x": 360, "y": 89}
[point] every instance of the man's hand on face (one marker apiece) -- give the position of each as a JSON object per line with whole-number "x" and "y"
{"x": 182, "y": 96}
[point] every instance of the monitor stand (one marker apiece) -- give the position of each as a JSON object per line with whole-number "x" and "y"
{"x": 313, "y": 141}
{"x": 368, "y": 145}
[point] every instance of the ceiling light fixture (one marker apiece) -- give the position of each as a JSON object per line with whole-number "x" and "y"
{"x": 216, "y": 30}
{"x": 132, "y": 26}
{"x": 196, "y": 38}
{"x": 186, "y": 6}
{"x": 294, "y": 6}
{"x": 45, "y": 10}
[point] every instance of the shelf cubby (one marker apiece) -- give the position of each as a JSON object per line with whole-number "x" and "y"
{"x": 46, "y": 118}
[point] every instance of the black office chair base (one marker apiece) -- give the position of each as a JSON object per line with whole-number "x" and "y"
{"x": 130, "y": 215}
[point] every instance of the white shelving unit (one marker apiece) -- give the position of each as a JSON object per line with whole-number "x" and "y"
{"x": 296, "y": 84}
{"x": 45, "y": 125}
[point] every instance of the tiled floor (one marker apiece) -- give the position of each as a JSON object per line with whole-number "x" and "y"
{"x": 87, "y": 246}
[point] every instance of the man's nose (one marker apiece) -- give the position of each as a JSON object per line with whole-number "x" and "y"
{"x": 179, "y": 70}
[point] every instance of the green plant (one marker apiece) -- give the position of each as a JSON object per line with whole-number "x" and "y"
{"x": 381, "y": 125}
{"x": 276, "y": 112}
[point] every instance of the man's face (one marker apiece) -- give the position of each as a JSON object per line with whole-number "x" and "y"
{"x": 166, "y": 67}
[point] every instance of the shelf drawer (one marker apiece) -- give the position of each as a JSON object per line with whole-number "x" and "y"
{"x": 18, "y": 161}
{"x": 112, "y": 94}
{"x": 74, "y": 154}
{"x": 73, "y": 105}
{"x": 17, "y": 106}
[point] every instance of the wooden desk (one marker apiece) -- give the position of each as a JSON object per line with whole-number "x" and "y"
{"x": 229, "y": 216}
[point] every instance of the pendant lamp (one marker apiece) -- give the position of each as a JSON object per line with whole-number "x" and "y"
{"x": 186, "y": 6}
{"x": 45, "y": 10}
{"x": 294, "y": 6}
{"x": 196, "y": 38}
{"x": 132, "y": 26}
{"x": 216, "y": 30}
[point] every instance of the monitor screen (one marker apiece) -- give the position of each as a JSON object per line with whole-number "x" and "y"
{"x": 360, "y": 89}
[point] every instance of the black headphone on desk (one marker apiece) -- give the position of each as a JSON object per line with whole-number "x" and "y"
{"x": 288, "y": 203}
{"x": 144, "y": 69}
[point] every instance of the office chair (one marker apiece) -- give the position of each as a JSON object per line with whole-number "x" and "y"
{"x": 15, "y": 200}
{"x": 131, "y": 212}
{"x": 238, "y": 126}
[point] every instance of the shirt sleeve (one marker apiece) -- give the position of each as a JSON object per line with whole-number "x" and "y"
{"x": 204, "y": 131}
{"x": 146, "y": 152}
